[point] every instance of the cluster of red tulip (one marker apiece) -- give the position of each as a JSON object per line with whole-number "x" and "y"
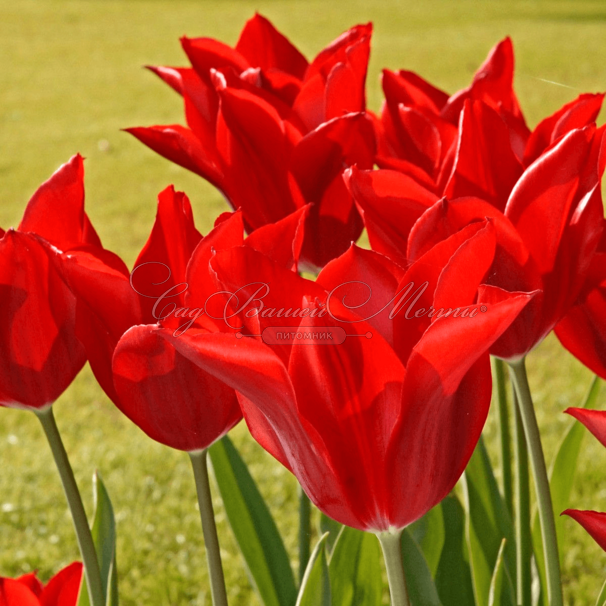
{"x": 371, "y": 383}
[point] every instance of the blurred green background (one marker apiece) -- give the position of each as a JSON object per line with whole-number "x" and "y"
{"x": 70, "y": 78}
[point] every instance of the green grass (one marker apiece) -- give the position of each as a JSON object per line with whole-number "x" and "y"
{"x": 70, "y": 78}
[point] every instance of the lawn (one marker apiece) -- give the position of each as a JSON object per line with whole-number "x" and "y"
{"x": 70, "y": 79}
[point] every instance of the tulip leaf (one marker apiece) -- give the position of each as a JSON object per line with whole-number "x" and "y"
{"x": 255, "y": 530}
{"x": 602, "y": 597}
{"x": 501, "y": 591}
{"x": 356, "y": 569}
{"x": 429, "y": 533}
{"x": 331, "y": 526}
{"x": 315, "y": 586}
{"x": 421, "y": 588}
{"x": 104, "y": 537}
{"x": 454, "y": 559}
{"x": 561, "y": 479}
{"x": 488, "y": 523}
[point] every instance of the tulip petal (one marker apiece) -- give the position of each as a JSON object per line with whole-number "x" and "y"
{"x": 161, "y": 265}
{"x": 166, "y": 395}
{"x": 408, "y": 88}
{"x": 179, "y": 145}
{"x": 256, "y": 150}
{"x": 582, "y": 331}
{"x": 391, "y": 203}
{"x": 39, "y": 352}
{"x": 281, "y": 241}
{"x": 206, "y": 54}
{"x": 416, "y": 290}
{"x": 56, "y": 211}
{"x": 492, "y": 83}
{"x": 258, "y": 283}
{"x": 485, "y": 165}
{"x": 594, "y": 522}
{"x": 545, "y": 194}
{"x": 594, "y": 420}
{"x": 364, "y": 281}
{"x": 32, "y": 581}
{"x": 578, "y": 113}
{"x": 265, "y": 47}
{"x": 64, "y": 587}
{"x": 434, "y": 437}
{"x": 353, "y": 408}
{"x": 14, "y": 593}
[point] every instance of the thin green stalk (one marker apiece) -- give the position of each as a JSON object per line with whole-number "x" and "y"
{"x": 391, "y": 544}
{"x": 209, "y": 528}
{"x": 541, "y": 482}
{"x": 74, "y": 501}
{"x": 304, "y": 532}
{"x": 505, "y": 434}
{"x": 522, "y": 512}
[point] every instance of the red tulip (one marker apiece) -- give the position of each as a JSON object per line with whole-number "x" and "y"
{"x": 274, "y": 133}
{"x": 172, "y": 400}
{"x": 594, "y": 522}
{"x": 476, "y": 142}
{"x": 560, "y": 191}
{"x": 61, "y": 590}
{"x": 39, "y": 352}
{"x": 379, "y": 426}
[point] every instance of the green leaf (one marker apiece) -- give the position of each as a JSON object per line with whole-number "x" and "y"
{"x": 429, "y": 533}
{"x": 421, "y": 588}
{"x": 315, "y": 586}
{"x": 602, "y": 597}
{"x": 356, "y": 569}
{"x": 104, "y": 537}
{"x": 501, "y": 591}
{"x": 561, "y": 480}
{"x": 254, "y": 528}
{"x": 488, "y": 523}
{"x": 454, "y": 560}
{"x": 333, "y": 528}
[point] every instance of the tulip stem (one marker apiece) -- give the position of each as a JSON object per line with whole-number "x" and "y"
{"x": 522, "y": 513}
{"x": 541, "y": 482}
{"x": 505, "y": 434}
{"x": 74, "y": 501}
{"x": 304, "y": 532}
{"x": 391, "y": 544}
{"x": 209, "y": 528}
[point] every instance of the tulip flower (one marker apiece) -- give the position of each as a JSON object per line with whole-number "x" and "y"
{"x": 560, "y": 191}
{"x": 39, "y": 308}
{"x": 441, "y": 143}
{"x": 273, "y": 132}
{"x": 40, "y": 351}
{"x": 378, "y": 426}
{"x": 170, "y": 284}
{"x": 171, "y": 290}
{"x": 61, "y": 590}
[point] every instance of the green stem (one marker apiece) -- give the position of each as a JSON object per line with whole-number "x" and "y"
{"x": 541, "y": 482}
{"x": 391, "y": 544}
{"x": 304, "y": 532}
{"x": 209, "y": 529}
{"x": 74, "y": 501}
{"x": 505, "y": 434}
{"x": 522, "y": 511}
